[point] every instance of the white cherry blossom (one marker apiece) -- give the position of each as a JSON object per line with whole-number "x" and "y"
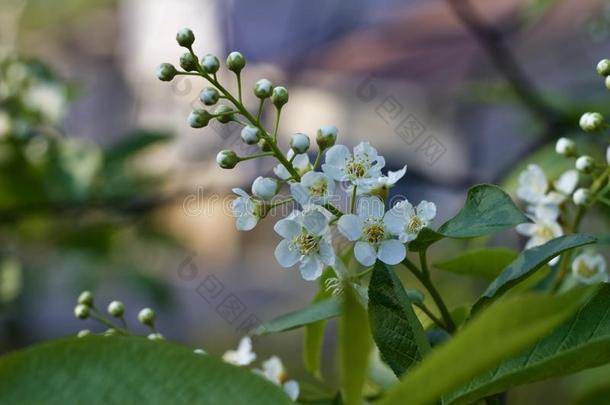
{"x": 364, "y": 164}
{"x": 243, "y": 355}
{"x": 301, "y": 163}
{"x": 590, "y": 268}
{"x": 373, "y": 239}
{"x": 314, "y": 188}
{"x": 406, "y": 221}
{"x": 306, "y": 241}
{"x": 273, "y": 370}
{"x": 246, "y": 210}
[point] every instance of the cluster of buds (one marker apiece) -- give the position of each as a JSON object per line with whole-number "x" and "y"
{"x": 85, "y": 309}
{"x": 590, "y": 122}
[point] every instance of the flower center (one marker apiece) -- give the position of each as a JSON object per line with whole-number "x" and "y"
{"x": 415, "y": 224}
{"x": 545, "y": 232}
{"x": 318, "y": 189}
{"x": 585, "y": 270}
{"x": 374, "y": 233}
{"x": 356, "y": 168}
{"x": 307, "y": 243}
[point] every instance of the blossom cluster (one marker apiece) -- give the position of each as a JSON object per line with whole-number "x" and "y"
{"x": 271, "y": 369}
{"x": 547, "y": 203}
{"x": 306, "y": 234}
{"x": 307, "y": 239}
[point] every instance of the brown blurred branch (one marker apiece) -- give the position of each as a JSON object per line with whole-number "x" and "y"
{"x": 492, "y": 41}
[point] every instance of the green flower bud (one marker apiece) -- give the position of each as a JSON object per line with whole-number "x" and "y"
{"x": 111, "y": 332}
{"x": 166, "y": 72}
{"x": 326, "y": 136}
{"x": 221, "y": 112}
{"x": 603, "y": 67}
{"x": 146, "y": 316}
{"x": 607, "y": 82}
{"x": 210, "y": 63}
{"x": 585, "y": 164}
{"x": 299, "y": 143}
{"x": 200, "y": 351}
{"x": 116, "y": 309}
{"x": 265, "y": 188}
{"x": 236, "y": 62}
{"x": 209, "y": 96}
{"x": 415, "y": 295}
{"x": 279, "y": 96}
{"x": 250, "y": 135}
{"x": 263, "y": 88}
{"x": 199, "y": 118}
{"x": 565, "y": 147}
{"x": 591, "y": 121}
{"x": 227, "y": 159}
{"x": 264, "y": 145}
{"x": 188, "y": 62}
{"x": 86, "y": 298}
{"x": 81, "y": 311}
{"x": 582, "y": 196}
{"x": 83, "y": 333}
{"x": 155, "y": 336}
{"x": 185, "y": 37}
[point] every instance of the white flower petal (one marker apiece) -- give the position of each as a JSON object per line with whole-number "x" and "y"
{"x": 291, "y": 388}
{"x": 245, "y": 222}
{"x": 315, "y": 222}
{"x": 391, "y": 251}
{"x": 287, "y": 228}
{"x": 567, "y": 182}
{"x": 243, "y": 355}
{"x": 350, "y": 226}
{"x": 337, "y": 155}
{"x": 365, "y": 253}
{"x": 393, "y": 177}
{"x": 532, "y": 184}
{"x": 426, "y": 211}
{"x": 311, "y": 268}
{"x": 327, "y": 254}
{"x": 286, "y": 256}
{"x": 526, "y": 229}
{"x": 299, "y": 192}
{"x": 370, "y": 207}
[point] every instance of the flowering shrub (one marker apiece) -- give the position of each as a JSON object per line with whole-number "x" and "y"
{"x": 544, "y": 313}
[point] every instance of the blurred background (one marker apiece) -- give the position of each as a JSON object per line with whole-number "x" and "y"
{"x": 103, "y": 186}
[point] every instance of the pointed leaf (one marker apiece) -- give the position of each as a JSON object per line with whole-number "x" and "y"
{"x": 322, "y": 310}
{"x": 127, "y": 370}
{"x": 398, "y": 333}
{"x": 355, "y": 345}
{"x": 504, "y": 329}
{"x": 487, "y": 210}
{"x": 580, "y": 343}
{"x": 527, "y": 263}
{"x": 487, "y": 263}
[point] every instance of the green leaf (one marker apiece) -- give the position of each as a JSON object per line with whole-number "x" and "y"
{"x": 313, "y": 338}
{"x": 398, "y": 333}
{"x": 134, "y": 143}
{"x": 580, "y": 343}
{"x": 503, "y": 330}
{"x": 319, "y": 311}
{"x": 124, "y": 370}
{"x": 527, "y": 263}
{"x": 486, "y": 263}
{"x": 487, "y": 210}
{"x": 355, "y": 345}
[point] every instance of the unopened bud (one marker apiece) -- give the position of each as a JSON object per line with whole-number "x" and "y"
{"x": 326, "y": 136}
{"x": 116, "y": 309}
{"x": 166, "y": 72}
{"x": 188, "y": 62}
{"x": 279, "y": 96}
{"x": 591, "y": 121}
{"x": 146, "y": 316}
{"x": 185, "y": 37}
{"x": 299, "y": 143}
{"x": 263, "y": 88}
{"x": 210, "y": 63}
{"x": 81, "y": 311}
{"x": 227, "y": 159}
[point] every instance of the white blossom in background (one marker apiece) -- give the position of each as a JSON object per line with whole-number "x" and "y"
{"x": 590, "y": 268}
{"x": 364, "y": 164}
{"x": 532, "y": 185}
{"x": 6, "y": 124}
{"x": 243, "y": 356}
{"x": 246, "y": 210}
{"x": 314, "y": 188}
{"x": 384, "y": 182}
{"x": 273, "y": 370}
{"x": 543, "y": 228}
{"x": 301, "y": 163}
{"x": 373, "y": 239}
{"x": 406, "y": 221}
{"x": 48, "y": 99}
{"x": 307, "y": 241}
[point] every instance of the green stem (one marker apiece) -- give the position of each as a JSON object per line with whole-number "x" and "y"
{"x": 108, "y": 323}
{"x": 353, "y": 200}
{"x": 239, "y": 87}
{"x": 260, "y": 111}
{"x": 277, "y": 125}
{"x": 436, "y": 297}
{"x": 256, "y": 156}
{"x": 430, "y": 315}
{"x": 317, "y": 161}
{"x": 334, "y": 210}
